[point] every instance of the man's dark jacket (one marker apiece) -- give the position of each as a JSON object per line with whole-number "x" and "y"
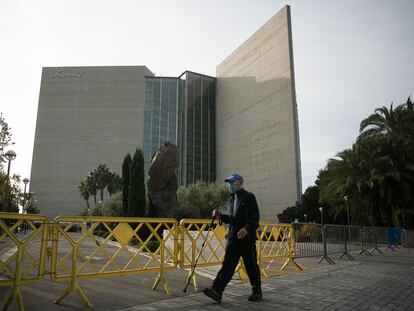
{"x": 247, "y": 215}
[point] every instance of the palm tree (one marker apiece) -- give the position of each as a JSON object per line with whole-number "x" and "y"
{"x": 344, "y": 177}
{"x": 90, "y": 181}
{"x": 83, "y": 189}
{"x": 114, "y": 183}
{"x": 394, "y": 128}
{"x": 102, "y": 175}
{"x": 395, "y": 125}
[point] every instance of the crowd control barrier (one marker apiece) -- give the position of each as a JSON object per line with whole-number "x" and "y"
{"x": 23, "y": 252}
{"x": 72, "y": 249}
{"x": 193, "y": 233}
{"x": 308, "y": 239}
{"x": 316, "y": 240}
{"x": 276, "y": 241}
{"x": 93, "y": 247}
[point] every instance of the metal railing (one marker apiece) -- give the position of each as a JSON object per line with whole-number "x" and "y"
{"x": 23, "y": 246}
{"x": 108, "y": 246}
{"x": 314, "y": 240}
{"x": 308, "y": 240}
{"x": 94, "y": 247}
{"x": 276, "y": 241}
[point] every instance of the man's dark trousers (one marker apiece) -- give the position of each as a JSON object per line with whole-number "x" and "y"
{"x": 234, "y": 249}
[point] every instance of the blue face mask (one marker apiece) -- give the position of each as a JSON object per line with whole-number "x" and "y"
{"x": 232, "y": 187}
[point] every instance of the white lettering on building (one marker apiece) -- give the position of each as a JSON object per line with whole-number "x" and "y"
{"x": 62, "y": 75}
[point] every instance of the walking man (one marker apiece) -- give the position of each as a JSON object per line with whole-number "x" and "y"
{"x": 243, "y": 220}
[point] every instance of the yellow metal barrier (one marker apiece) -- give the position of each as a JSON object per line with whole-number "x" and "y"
{"x": 193, "y": 234}
{"x": 276, "y": 241}
{"x": 93, "y": 247}
{"x": 23, "y": 251}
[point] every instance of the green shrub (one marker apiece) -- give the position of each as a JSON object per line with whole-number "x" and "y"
{"x": 198, "y": 200}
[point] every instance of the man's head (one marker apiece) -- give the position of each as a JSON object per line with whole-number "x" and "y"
{"x": 235, "y": 182}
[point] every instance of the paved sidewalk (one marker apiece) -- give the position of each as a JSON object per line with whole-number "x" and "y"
{"x": 382, "y": 282}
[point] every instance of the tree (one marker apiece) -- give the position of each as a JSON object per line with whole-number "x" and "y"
{"x": 199, "y": 199}
{"x": 102, "y": 176}
{"x": 11, "y": 192}
{"x": 112, "y": 207}
{"x": 376, "y": 174}
{"x": 136, "y": 198}
{"x": 126, "y": 180}
{"x": 97, "y": 180}
{"x": 83, "y": 189}
{"x": 91, "y": 185}
{"x": 310, "y": 207}
{"x": 5, "y": 139}
{"x": 30, "y": 204}
{"x": 114, "y": 183}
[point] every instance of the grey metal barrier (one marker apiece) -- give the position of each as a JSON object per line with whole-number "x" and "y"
{"x": 309, "y": 241}
{"x": 316, "y": 240}
{"x": 342, "y": 239}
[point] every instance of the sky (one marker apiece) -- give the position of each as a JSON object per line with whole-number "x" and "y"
{"x": 350, "y": 56}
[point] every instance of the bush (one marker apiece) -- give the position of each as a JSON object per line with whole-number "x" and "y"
{"x": 112, "y": 206}
{"x": 198, "y": 200}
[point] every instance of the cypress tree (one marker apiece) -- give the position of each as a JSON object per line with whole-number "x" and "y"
{"x": 136, "y": 199}
{"x": 126, "y": 179}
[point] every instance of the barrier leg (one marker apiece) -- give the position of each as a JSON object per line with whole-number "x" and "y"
{"x": 161, "y": 277}
{"x": 193, "y": 280}
{"x": 325, "y": 251}
{"x": 74, "y": 286}
{"x": 376, "y": 244}
{"x": 291, "y": 261}
{"x": 16, "y": 293}
{"x": 346, "y": 252}
{"x": 364, "y": 248}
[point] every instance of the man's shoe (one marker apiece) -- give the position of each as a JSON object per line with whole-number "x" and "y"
{"x": 213, "y": 294}
{"x": 255, "y": 297}
{"x": 256, "y": 294}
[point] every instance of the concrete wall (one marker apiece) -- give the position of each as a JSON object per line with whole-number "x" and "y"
{"x": 86, "y": 116}
{"x": 257, "y": 127}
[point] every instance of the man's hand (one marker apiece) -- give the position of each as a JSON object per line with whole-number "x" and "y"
{"x": 242, "y": 233}
{"x": 216, "y": 214}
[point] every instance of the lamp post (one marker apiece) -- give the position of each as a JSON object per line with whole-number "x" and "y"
{"x": 24, "y": 211}
{"x": 304, "y": 215}
{"x": 25, "y": 181}
{"x": 348, "y": 218}
{"x": 10, "y": 156}
{"x": 347, "y": 209}
{"x": 321, "y": 210}
{"x": 325, "y": 251}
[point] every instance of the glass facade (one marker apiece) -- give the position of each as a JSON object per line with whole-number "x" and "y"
{"x": 160, "y": 115}
{"x": 200, "y": 128}
{"x": 182, "y": 111}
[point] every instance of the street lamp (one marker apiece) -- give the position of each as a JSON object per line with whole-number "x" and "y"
{"x": 25, "y": 181}
{"x": 347, "y": 214}
{"x": 10, "y": 155}
{"x": 325, "y": 251}
{"x": 347, "y": 209}
{"x": 321, "y": 210}
{"x": 304, "y": 215}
